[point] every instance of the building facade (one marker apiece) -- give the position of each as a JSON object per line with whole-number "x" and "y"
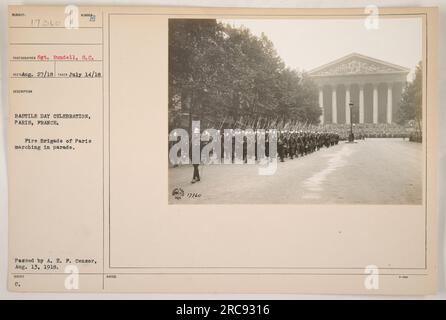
{"x": 373, "y": 86}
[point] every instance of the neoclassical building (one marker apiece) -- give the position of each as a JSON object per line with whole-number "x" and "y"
{"x": 374, "y": 86}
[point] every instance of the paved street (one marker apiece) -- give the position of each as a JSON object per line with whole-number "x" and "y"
{"x": 374, "y": 171}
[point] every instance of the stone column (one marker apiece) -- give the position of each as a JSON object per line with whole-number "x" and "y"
{"x": 321, "y": 104}
{"x": 375, "y": 103}
{"x": 389, "y": 102}
{"x": 348, "y": 116}
{"x": 361, "y": 103}
{"x": 334, "y": 108}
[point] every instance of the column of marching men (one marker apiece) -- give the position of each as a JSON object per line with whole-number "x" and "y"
{"x": 290, "y": 144}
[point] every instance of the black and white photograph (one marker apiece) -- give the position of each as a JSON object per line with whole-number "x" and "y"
{"x": 296, "y": 111}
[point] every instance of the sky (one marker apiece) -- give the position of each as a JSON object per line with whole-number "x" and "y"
{"x": 305, "y": 44}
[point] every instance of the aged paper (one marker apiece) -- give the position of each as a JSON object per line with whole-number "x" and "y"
{"x": 222, "y": 150}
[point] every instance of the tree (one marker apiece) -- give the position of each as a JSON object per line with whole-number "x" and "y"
{"x": 410, "y": 108}
{"x": 195, "y": 60}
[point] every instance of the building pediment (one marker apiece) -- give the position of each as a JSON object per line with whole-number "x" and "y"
{"x": 357, "y": 64}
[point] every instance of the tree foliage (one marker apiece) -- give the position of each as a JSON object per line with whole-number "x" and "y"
{"x": 225, "y": 75}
